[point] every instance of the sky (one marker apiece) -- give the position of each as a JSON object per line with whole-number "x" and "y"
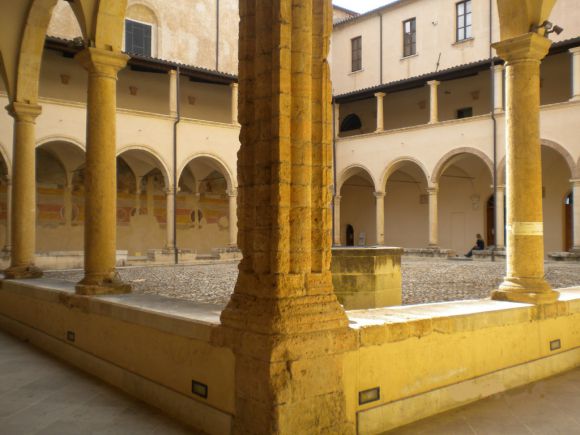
{"x": 361, "y": 5}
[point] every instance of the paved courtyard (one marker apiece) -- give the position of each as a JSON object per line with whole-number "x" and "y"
{"x": 424, "y": 280}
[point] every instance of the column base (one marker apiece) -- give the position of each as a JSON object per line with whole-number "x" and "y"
{"x": 22, "y": 272}
{"x": 92, "y": 286}
{"x": 526, "y": 290}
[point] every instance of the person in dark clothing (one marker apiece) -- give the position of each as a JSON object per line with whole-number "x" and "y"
{"x": 479, "y": 246}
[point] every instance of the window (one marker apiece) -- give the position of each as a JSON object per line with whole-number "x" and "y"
{"x": 137, "y": 38}
{"x": 463, "y": 20}
{"x": 356, "y": 50}
{"x": 409, "y": 37}
{"x": 466, "y": 112}
{"x": 351, "y": 122}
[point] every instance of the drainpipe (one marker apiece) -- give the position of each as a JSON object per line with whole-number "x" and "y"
{"x": 381, "y": 48}
{"x": 177, "y": 120}
{"x": 217, "y": 35}
{"x": 494, "y": 131}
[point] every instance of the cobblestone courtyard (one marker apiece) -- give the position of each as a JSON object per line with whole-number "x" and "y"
{"x": 424, "y": 280}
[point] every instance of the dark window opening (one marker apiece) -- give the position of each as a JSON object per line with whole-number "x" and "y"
{"x": 463, "y": 20}
{"x": 349, "y": 235}
{"x": 351, "y": 122}
{"x": 466, "y": 112}
{"x": 356, "y": 53}
{"x": 137, "y": 38}
{"x": 409, "y": 37}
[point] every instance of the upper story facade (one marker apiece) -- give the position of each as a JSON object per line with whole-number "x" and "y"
{"x": 410, "y": 38}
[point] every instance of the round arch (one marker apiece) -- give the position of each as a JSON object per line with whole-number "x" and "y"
{"x": 220, "y": 166}
{"x": 161, "y": 164}
{"x": 353, "y": 170}
{"x": 69, "y": 152}
{"x": 397, "y": 164}
{"x": 445, "y": 161}
{"x": 57, "y": 138}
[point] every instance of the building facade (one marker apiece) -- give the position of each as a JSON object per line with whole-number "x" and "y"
{"x": 419, "y": 126}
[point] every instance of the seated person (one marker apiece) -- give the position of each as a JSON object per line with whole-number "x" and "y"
{"x": 479, "y": 246}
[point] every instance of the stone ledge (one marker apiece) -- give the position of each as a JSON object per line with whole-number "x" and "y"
{"x": 564, "y": 256}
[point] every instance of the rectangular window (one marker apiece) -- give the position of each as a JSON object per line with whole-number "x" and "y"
{"x": 409, "y": 37}
{"x": 466, "y": 112}
{"x": 356, "y": 53}
{"x": 137, "y": 38}
{"x": 463, "y": 20}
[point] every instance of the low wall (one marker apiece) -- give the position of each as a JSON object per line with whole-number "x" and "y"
{"x": 367, "y": 277}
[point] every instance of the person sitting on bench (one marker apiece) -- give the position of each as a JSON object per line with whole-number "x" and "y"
{"x": 479, "y": 246}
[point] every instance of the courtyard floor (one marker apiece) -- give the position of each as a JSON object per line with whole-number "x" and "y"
{"x": 425, "y": 280}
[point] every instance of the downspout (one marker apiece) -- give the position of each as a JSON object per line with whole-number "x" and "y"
{"x": 177, "y": 120}
{"x": 381, "y": 48}
{"x": 217, "y": 35}
{"x": 494, "y": 129}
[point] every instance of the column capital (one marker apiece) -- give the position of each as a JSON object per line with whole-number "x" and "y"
{"x": 379, "y": 194}
{"x": 337, "y": 197}
{"x": 232, "y": 192}
{"x": 500, "y": 187}
{"x": 528, "y": 47}
{"x": 172, "y": 72}
{"x": 575, "y": 182}
{"x": 433, "y": 83}
{"x": 498, "y": 67}
{"x": 102, "y": 62}
{"x": 575, "y": 51}
{"x": 380, "y": 94}
{"x": 433, "y": 190}
{"x": 234, "y": 85}
{"x": 24, "y": 112}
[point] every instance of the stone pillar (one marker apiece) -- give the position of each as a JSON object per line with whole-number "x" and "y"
{"x": 233, "y": 216}
{"x": 138, "y": 181}
{"x": 8, "y": 241}
{"x": 284, "y": 324}
{"x": 575, "y": 73}
{"x": 524, "y": 281}
{"x": 23, "y": 192}
{"x": 336, "y": 226}
{"x": 380, "y": 96}
{"x": 170, "y": 218}
{"x": 576, "y": 214}
{"x": 500, "y": 217}
{"x": 497, "y": 71}
{"x": 336, "y": 108}
{"x": 234, "y": 101}
{"x": 68, "y": 205}
{"x": 433, "y": 216}
{"x": 101, "y": 173}
{"x": 380, "y": 217}
{"x": 433, "y": 101}
{"x": 173, "y": 99}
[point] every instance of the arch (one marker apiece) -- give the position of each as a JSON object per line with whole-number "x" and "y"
{"x": 448, "y": 159}
{"x": 396, "y": 164}
{"x": 350, "y": 122}
{"x": 563, "y": 152}
{"x": 60, "y": 148}
{"x": 351, "y": 171}
{"x": 58, "y": 138}
{"x": 220, "y": 166}
{"x": 155, "y": 155}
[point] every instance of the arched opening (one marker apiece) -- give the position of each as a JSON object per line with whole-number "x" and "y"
{"x": 349, "y": 235}
{"x": 406, "y": 206}
{"x": 350, "y": 123}
{"x": 60, "y": 197}
{"x": 358, "y": 207}
{"x": 464, "y": 188}
{"x": 203, "y": 206}
{"x": 569, "y": 222}
{"x": 141, "y": 202}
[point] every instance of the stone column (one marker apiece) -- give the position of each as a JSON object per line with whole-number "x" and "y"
{"x": 286, "y": 328}
{"x": 23, "y": 192}
{"x": 380, "y": 217}
{"x": 380, "y": 96}
{"x": 68, "y": 205}
{"x": 575, "y": 73}
{"x": 524, "y": 281}
{"x": 576, "y": 214}
{"x": 433, "y": 216}
{"x": 173, "y": 99}
{"x": 170, "y": 218}
{"x": 433, "y": 101}
{"x": 233, "y": 216}
{"x": 336, "y": 211}
{"x": 336, "y": 108}
{"x": 234, "y": 101}
{"x": 8, "y": 242}
{"x": 499, "y": 217}
{"x": 101, "y": 173}
{"x": 497, "y": 71}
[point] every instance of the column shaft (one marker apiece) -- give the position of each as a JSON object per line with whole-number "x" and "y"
{"x": 497, "y": 71}
{"x": 233, "y": 217}
{"x": 173, "y": 98}
{"x": 8, "y": 241}
{"x": 68, "y": 205}
{"x": 337, "y": 229}
{"x": 433, "y": 102}
{"x": 170, "y": 217}
{"x": 576, "y": 214}
{"x": 433, "y": 217}
{"x": 524, "y": 279}
{"x": 23, "y": 192}
{"x": 380, "y": 217}
{"x": 234, "y": 103}
{"x": 336, "y": 108}
{"x": 500, "y": 217}
{"x": 575, "y": 73}
{"x": 380, "y": 96}
{"x": 101, "y": 174}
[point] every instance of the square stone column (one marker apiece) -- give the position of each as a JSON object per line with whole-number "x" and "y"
{"x": 284, "y": 323}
